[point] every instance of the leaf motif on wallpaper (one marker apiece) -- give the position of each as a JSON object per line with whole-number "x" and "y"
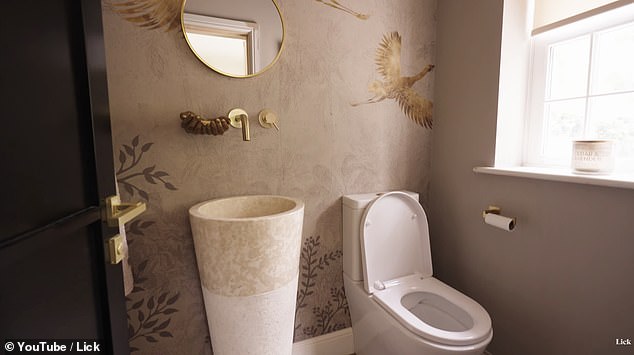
{"x": 325, "y": 315}
{"x": 397, "y": 87}
{"x": 130, "y": 156}
{"x": 337, "y": 5}
{"x": 138, "y": 272}
{"x": 149, "y": 14}
{"x": 136, "y": 227}
{"x": 310, "y": 265}
{"x": 149, "y": 318}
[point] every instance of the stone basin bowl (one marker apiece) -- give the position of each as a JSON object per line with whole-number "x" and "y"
{"x": 247, "y": 245}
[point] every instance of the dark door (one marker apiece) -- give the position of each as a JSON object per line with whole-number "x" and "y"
{"x": 56, "y": 168}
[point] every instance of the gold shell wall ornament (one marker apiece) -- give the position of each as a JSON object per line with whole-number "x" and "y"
{"x": 195, "y": 124}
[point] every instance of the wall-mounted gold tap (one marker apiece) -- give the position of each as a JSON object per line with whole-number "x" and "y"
{"x": 239, "y": 118}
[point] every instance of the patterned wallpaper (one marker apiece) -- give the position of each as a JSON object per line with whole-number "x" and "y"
{"x": 327, "y": 146}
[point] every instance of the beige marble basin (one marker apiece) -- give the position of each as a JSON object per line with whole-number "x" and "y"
{"x": 247, "y": 250}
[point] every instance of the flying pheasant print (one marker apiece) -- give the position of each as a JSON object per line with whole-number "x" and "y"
{"x": 337, "y": 5}
{"x": 149, "y": 14}
{"x": 165, "y": 14}
{"x": 397, "y": 87}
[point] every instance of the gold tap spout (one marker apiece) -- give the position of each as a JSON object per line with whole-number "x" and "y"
{"x": 246, "y": 135}
{"x": 240, "y": 119}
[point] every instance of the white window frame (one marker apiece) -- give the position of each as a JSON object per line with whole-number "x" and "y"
{"x": 538, "y": 76}
{"x": 514, "y": 84}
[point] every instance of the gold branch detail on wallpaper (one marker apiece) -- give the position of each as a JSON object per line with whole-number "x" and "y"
{"x": 129, "y": 159}
{"x": 335, "y": 4}
{"x": 149, "y": 14}
{"x": 397, "y": 87}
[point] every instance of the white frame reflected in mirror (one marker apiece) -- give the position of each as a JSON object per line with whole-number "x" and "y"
{"x": 223, "y": 43}
{"x": 237, "y": 38}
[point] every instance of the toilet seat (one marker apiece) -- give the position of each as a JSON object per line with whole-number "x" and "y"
{"x": 449, "y": 316}
{"x": 397, "y": 270}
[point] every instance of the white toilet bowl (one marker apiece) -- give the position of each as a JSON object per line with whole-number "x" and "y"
{"x": 396, "y": 305}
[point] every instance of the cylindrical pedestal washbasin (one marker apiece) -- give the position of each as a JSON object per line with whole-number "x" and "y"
{"x": 247, "y": 249}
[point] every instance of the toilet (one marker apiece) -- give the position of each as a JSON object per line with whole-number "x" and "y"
{"x": 396, "y": 305}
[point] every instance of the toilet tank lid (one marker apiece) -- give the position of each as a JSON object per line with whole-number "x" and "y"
{"x": 361, "y": 201}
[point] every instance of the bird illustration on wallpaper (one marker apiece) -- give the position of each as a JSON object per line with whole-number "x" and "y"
{"x": 337, "y": 5}
{"x": 155, "y": 14}
{"x": 397, "y": 87}
{"x": 149, "y": 14}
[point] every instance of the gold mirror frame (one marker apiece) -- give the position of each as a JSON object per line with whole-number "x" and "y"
{"x": 279, "y": 52}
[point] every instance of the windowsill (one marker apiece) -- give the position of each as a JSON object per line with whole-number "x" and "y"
{"x": 624, "y": 181}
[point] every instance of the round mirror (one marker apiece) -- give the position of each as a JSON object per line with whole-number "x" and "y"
{"x": 237, "y": 38}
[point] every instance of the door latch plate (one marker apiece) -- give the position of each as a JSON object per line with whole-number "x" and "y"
{"x": 115, "y": 249}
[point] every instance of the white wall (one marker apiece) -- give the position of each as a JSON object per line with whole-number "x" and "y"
{"x": 561, "y": 283}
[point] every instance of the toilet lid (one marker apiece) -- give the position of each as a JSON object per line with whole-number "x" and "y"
{"x": 394, "y": 240}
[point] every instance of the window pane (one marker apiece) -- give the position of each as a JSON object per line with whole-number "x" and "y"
{"x": 564, "y": 122}
{"x": 612, "y": 117}
{"x": 228, "y": 53}
{"x": 613, "y": 67}
{"x": 568, "y": 65}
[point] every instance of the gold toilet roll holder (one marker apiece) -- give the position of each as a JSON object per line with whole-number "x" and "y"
{"x": 491, "y": 209}
{"x": 498, "y": 211}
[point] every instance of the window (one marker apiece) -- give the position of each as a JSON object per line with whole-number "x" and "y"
{"x": 222, "y": 51}
{"x": 226, "y": 45}
{"x": 582, "y": 87}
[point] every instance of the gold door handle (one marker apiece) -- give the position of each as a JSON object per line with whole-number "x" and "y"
{"x": 120, "y": 213}
{"x": 115, "y": 249}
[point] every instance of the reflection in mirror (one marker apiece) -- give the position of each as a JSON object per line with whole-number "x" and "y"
{"x": 237, "y": 38}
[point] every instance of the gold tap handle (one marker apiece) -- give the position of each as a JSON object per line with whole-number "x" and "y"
{"x": 268, "y": 119}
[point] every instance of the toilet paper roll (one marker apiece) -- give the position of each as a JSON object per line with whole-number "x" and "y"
{"x": 502, "y": 222}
